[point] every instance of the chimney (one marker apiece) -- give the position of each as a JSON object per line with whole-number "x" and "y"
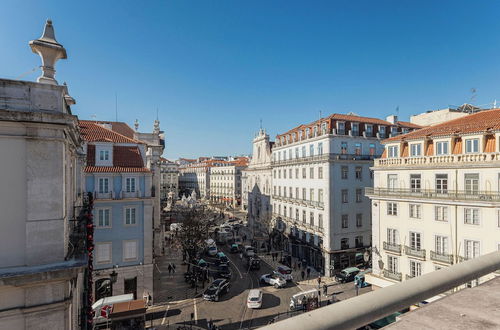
{"x": 393, "y": 119}
{"x": 50, "y": 51}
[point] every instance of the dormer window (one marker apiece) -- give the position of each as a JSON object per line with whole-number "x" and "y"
{"x": 355, "y": 129}
{"x": 392, "y": 152}
{"x": 323, "y": 128}
{"x": 415, "y": 149}
{"x": 381, "y": 131}
{"x": 341, "y": 127}
{"x": 104, "y": 155}
{"x": 394, "y": 130}
{"x": 369, "y": 130}
{"x": 315, "y": 131}
{"x": 308, "y": 132}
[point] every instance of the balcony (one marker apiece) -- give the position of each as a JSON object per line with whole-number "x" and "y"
{"x": 436, "y": 161}
{"x": 442, "y": 257}
{"x": 418, "y": 253}
{"x": 393, "y": 275}
{"x": 104, "y": 195}
{"x": 321, "y": 158}
{"x": 132, "y": 194}
{"x": 396, "y": 248}
{"x": 456, "y": 195}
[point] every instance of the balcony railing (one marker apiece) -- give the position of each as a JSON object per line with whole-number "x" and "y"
{"x": 322, "y": 158}
{"x": 393, "y": 275}
{"x": 131, "y": 194}
{"x": 439, "y": 160}
{"x": 419, "y": 253}
{"x": 104, "y": 195}
{"x": 485, "y": 196}
{"x": 392, "y": 247}
{"x": 442, "y": 257}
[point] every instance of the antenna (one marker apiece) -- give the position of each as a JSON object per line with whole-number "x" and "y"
{"x": 473, "y": 95}
{"x": 260, "y": 123}
{"x": 116, "y": 106}
{"x": 495, "y": 104}
{"x": 156, "y": 113}
{"x": 320, "y": 114}
{"x": 397, "y": 111}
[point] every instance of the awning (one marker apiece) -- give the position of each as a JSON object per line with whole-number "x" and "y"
{"x": 132, "y": 308}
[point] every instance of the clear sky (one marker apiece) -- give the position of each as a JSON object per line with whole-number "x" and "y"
{"x": 214, "y": 68}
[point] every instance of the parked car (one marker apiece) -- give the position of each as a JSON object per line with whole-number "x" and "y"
{"x": 216, "y": 289}
{"x": 221, "y": 258}
{"x": 286, "y": 272}
{"x": 224, "y": 271}
{"x": 254, "y": 299}
{"x": 253, "y": 263}
{"x": 235, "y": 248}
{"x": 249, "y": 251}
{"x": 275, "y": 279}
{"x": 347, "y": 275}
{"x": 212, "y": 251}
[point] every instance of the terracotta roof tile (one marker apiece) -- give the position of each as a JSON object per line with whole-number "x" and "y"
{"x": 93, "y": 132}
{"x": 487, "y": 120}
{"x": 127, "y": 157}
{"x": 115, "y": 169}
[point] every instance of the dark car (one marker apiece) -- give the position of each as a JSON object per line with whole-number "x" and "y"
{"x": 253, "y": 263}
{"x": 347, "y": 275}
{"x": 216, "y": 289}
{"x": 224, "y": 271}
{"x": 221, "y": 259}
{"x": 234, "y": 248}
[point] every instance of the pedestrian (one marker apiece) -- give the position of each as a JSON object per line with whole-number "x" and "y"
{"x": 169, "y": 268}
{"x": 308, "y": 272}
{"x": 302, "y": 274}
{"x": 173, "y": 267}
{"x": 244, "y": 238}
{"x": 294, "y": 266}
{"x": 241, "y": 255}
{"x": 299, "y": 264}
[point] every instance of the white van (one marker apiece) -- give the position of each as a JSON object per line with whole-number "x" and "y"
{"x": 297, "y": 300}
{"x": 254, "y": 299}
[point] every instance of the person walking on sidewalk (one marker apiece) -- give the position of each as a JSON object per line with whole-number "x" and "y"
{"x": 173, "y": 267}
{"x": 302, "y": 274}
{"x": 308, "y": 272}
{"x": 169, "y": 268}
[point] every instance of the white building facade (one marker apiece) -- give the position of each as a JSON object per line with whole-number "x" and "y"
{"x": 257, "y": 184}
{"x": 225, "y": 182}
{"x": 436, "y": 198}
{"x": 319, "y": 172}
{"x": 169, "y": 181}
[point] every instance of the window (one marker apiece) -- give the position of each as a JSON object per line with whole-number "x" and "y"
{"x": 442, "y": 183}
{"x": 320, "y": 220}
{"x": 320, "y": 195}
{"x": 343, "y": 148}
{"x": 290, "y": 173}
{"x": 103, "y": 185}
{"x": 441, "y": 244}
{"x": 323, "y": 128}
{"x": 341, "y": 128}
{"x": 303, "y": 151}
{"x": 296, "y": 173}
{"x": 345, "y": 221}
{"x": 311, "y": 218}
{"x": 304, "y": 194}
{"x": 296, "y": 152}
{"x": 441, "y": 213}
{"x": 304, "y": 219}
{"x": 279, "y": 174}
{"x": 369, "y": 130}
{"x": 290, "y": 153}
{"x": 104, "y": 155}
{"x": 129, "y": 250}
{"x": 103, "y": 218}
{"x": 308, "y": 132}
{"x": 103, "y": 253}
{"x": 392, "y": 264}
{"x": 344, "y": 243}
{"x": 472, "y": 184}
{"x": 311, "y": 194}
{"x": 284, "y": 174}
{"x": 290, "y": 192}
{"x": 392, "y": 152}
{"x": 344, "y": 196}
{"x": 311, "y": 173}
{"x": 357, "y": 148}
{"x": 359, "y": 220}
{"x": 359, "y": 195}
{"x": 415, "y": 149}
{"x": 130, "y": 185}
{"x": 415, "y": 211}
{"x": 471, "y": 249}
{"x": 344, "y": 172}
{"x": 303, "y": 173}
{"x": 381, "y": 132}
{"x": 274, "y": 190}
{"x": 320, "y": 148}
{"x": 359, "y": 172}
{"x": 320, "y": 172}
{"x": 392, "y": 208}
{"x": 372, "y": 149}
{"x": 355, "y": 129}
{"x": 311, "y": 150}
{"x": 284, "y": 191}
{"x": 392, "y": 181}
{"x": 442, "y": 148}
{"x": 392, "y": 236}
{"x": 297, "y": 215}
{"x": 415, "y": 241}
{"x": 358, "y": 241}
{"x": 297, "y": 193}
{"x": 471, "y": 146}
{"x": 415, "y": 182}
{"x": 471, "y": 216}
{"x": 415, "y": 268}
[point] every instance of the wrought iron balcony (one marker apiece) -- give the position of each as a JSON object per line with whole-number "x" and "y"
{"x": 322, "y": 158}
{"x": 439, "y": 160}
{"x": 419, "y": 253}
{"x": 461, "y": 195}
{"x": 392, "y": 247}
{"x": 393, "y": 275}
{"x": 442, "y": 257}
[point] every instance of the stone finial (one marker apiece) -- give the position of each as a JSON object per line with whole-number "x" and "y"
{"x": 50, "y": 51}
{"x": 156, "y": 127}
{"x": 136, "y": 125}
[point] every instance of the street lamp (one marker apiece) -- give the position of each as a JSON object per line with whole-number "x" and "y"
{"x": 113, "y": 276}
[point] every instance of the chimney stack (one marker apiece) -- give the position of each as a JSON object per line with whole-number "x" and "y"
{"x": 50, "y": 51}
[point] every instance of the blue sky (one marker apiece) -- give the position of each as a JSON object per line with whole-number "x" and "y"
{"x": 214, "y": 68}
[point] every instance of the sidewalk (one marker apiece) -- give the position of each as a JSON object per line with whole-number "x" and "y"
{"x": 171, "y": 287}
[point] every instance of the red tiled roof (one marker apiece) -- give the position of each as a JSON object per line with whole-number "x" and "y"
{"x": 487, "y": 120}
{"x": 119, "y": 127}
{"x": 93, "y": 132}
{"x": 115, "y": 169}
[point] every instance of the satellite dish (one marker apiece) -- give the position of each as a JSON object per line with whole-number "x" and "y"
{"x": 366, "y": 256}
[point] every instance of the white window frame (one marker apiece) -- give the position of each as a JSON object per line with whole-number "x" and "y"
{"x": 129, "y": 185}
{"x": 392, "y": 151}
{"x": 103, "y": 155}
{"x": 104, "y": 179}
{"x": 415, "y": 268}
{"x": 415, "y": 149}
{"x": 441, "y": 244}
{"x": 415, "y": 240}
{"x": 393, "y": 264}
{"x": 472, "y": 216}
{"x": 415, "y": 211}
{"x": 392, "y": 236}
{"x": 441, "y": 213}
{"x": 471, "y": 247}
{"x": 124, "y": 250}
{"x": 125, "y": 211}
{"x": 472, "y": 146}
{"x": 98, "y": 220}
{"x": 442, "y": 148}
{"x": 392, "y": 208}
{"x": 98, "y": 246}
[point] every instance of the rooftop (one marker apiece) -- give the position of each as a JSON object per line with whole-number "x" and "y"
{"x": 476, "y": 308}
{"x": 487, "y": 120}
{"x": 93, "y": 131}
